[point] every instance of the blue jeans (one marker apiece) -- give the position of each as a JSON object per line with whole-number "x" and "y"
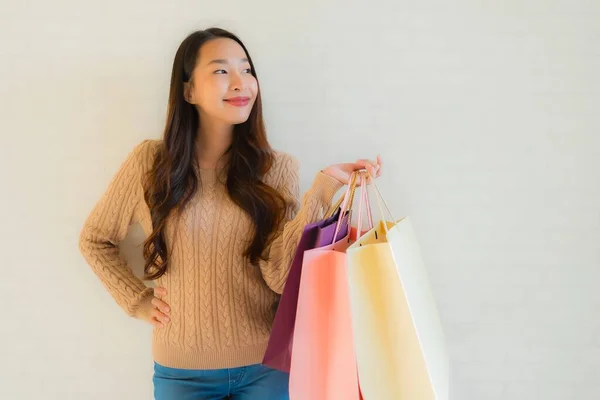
{"x": 242, "y": 383}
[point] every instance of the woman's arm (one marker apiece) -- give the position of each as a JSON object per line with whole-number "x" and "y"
{"x": 107, "y": 225}
{"x": 298, "y": 213}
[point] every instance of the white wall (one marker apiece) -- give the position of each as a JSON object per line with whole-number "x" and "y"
{"x": 485, "y": 113}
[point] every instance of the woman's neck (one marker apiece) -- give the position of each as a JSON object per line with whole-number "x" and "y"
{"x": 213, "y": 140}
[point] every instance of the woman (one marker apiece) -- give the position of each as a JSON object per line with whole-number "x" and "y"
{"x": 222, "y": 213}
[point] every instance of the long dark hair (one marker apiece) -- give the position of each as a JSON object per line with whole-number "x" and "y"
{"x": 173, "y": 179}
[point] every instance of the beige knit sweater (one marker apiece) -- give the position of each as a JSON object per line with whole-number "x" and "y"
{"x": 221, "y": 306}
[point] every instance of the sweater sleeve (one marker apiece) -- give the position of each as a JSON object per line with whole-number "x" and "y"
{"x": 298, "y": 213}
{"x": 107, "y": 225}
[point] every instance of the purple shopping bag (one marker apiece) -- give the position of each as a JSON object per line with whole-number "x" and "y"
{"x": 279, "y": 349}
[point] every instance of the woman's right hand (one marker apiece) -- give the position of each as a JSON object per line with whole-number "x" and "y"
{"x": 159, "y": 314}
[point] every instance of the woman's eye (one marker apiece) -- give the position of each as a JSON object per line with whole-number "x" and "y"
{"x": 222, "y": 71}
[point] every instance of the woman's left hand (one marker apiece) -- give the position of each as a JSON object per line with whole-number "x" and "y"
{"x": 342, "y": 172}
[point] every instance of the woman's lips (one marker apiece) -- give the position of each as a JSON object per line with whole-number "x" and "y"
{"x": 238, "y": 101}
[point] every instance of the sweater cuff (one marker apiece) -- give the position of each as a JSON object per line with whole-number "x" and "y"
{"x": 325, "y": 187}
{"x": 144, "y": 304}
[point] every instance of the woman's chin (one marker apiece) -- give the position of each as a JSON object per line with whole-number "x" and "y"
{"x": 237, "y": 119}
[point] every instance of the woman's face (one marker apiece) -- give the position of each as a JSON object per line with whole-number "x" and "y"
{"x": 222, "y": 85}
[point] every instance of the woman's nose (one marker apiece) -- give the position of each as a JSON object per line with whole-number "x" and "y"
{"x": 237, "y": 83}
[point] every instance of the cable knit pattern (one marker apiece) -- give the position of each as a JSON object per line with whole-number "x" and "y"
{"x": 221, "y": 306}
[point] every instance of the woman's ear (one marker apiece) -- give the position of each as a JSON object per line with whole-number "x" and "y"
{"x": 187, "y": 92}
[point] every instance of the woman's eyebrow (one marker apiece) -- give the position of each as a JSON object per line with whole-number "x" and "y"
{"x": 222, "y": 61}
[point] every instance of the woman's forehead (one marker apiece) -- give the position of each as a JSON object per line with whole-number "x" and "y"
{"x": 222, "y": 51}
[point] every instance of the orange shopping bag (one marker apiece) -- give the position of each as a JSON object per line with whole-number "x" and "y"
{"x": 323, "y": 364}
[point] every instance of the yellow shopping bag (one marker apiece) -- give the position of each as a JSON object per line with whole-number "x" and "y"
{"x": 400, "y": 346}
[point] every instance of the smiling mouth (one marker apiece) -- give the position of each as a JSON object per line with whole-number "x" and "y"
{"x": 238, "y": 101}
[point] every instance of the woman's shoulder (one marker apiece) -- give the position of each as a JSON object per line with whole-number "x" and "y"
{"x": 145, "y": 151}
{"x": 147, "y": 147}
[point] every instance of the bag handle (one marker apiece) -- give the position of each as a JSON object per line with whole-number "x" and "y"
{"x": 347, "y": 203}
{"x": 364, "y": 193}
{"x": 339, "y": 201}
{"x": 334, "y": 207}
{"x": 380, "y": 199}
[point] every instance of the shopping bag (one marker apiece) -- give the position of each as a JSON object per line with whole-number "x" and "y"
{"x": 399, "y": 341}
{"x": 323, "y": 365}
{"x": 278, "y": 352}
